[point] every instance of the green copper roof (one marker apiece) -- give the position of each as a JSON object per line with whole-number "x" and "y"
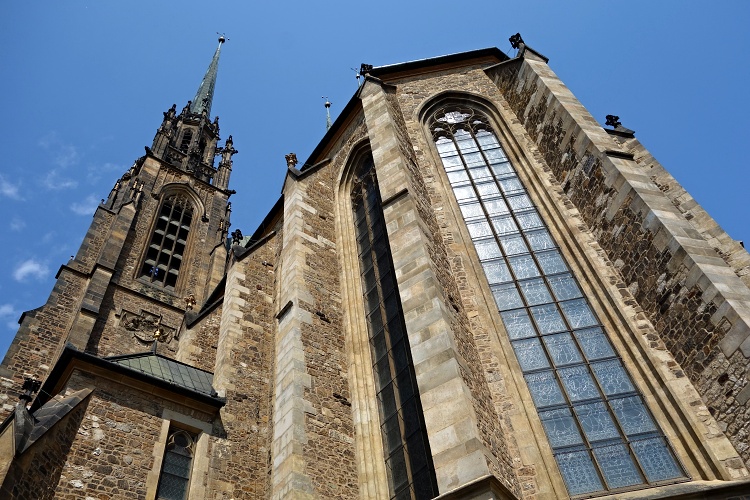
{"x": 205, "y": 94}
{"x": 168, "y": 370}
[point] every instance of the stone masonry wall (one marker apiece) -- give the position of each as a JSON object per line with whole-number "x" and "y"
{"x": 450, "y": 278}
{"x": 329, "y": 451}
{"x": 35, "y": 475}
{"x": 112, "y": 453}
{"x": 197, "y": 345}
{"x": 40, "y": 338}
{"x": 242, "y": 457}
{"x": 659, "y": 254}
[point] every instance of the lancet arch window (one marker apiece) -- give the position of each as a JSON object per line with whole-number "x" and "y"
{"x": 602, "y": 435}
{"x": 167, "y": 247}
{"x": 408, "y": 458}
{"x": 176, "y": 466}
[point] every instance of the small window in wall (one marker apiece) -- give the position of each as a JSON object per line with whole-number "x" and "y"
{"x": 187, "y": 137}
{"x": 167, "y": 247}
{"x": 174, "y": 479}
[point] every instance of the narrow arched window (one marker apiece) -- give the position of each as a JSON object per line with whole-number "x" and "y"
{"x": 408, "y": 459}
{"x": 602, "y": 434}
{"x": 176, "y": 465}
{"x": 187, "y": 137}
{"x": 166, "y": 249}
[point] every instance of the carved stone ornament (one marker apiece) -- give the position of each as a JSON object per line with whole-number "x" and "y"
{"x": 146, "y": 327}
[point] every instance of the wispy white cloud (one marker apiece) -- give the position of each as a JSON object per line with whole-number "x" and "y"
{"x": 16, "y": 224}
{"x": 9, "y": 315}
{"x": 56, "y": 182}
{"x": 64, "y": 154}
{"x": 30, "y": 268}
{"x": 96, "y": 172}
{"x": 9, "y": 190}
{"x": 85, "y": 207}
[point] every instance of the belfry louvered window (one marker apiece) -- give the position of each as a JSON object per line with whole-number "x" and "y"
{"x": 407, "y": 453}
{"x": 602, "y": 434}
{"x": 176, "y": 465}
{"x": 166, "y": 250}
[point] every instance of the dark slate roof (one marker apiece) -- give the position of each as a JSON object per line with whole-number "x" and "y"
{"x": 52, "y": 412}
{"x": 168, "y": 370}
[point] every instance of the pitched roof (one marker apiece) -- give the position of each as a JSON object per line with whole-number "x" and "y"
{"x": 168, "y": 370}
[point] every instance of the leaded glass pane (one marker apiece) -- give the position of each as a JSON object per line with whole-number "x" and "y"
{"x": 487, "y": 249}
{"x": 178, "y": 465}
{"x": 471, "y": 210}
{"x": 511, "y": 185}
{"x": 513, "y": 244}
{"x": 594, "y": 343}
{"x": 487, "y": 189}
{"x": 465, "y": 143}
{"x": 578, "y": 383}
{"x": 506, "y": 296}
{"x": 548, "y": 319}
{"x": 480, "y": 172}
{"x": 518, "y": 324}
{"x": 504, "y": 225}
{"x": 656, "y": 459}
{"x": 544, "y": 389}
{"x": 172, "y": 488}
{"x": 535, "y": 292}
{"x": 473, "y": 159}
{"x": 496, "y": 271}
{"x": 520, "y": 203}
{"x": 551, "y": 262}
{"x": 578, "y": 472}
{"x": 540, "y": 239}
{"x": 479, "y": 229}
{"x": 464, "y": 193}
{"x": 612, "y": 377}
{"x": 564, "y": 287}
{"x": 524, "y": 267}
{"x": 452, "y": 162}
{"x": 562, "y": 349}
{"x": 617, "y": 466}
{"x": 578, "y": 313}
{"x": 457, "y": 176}
{"x": 500, "y": 167}
{"x": 496, "y": 207}
{"x": 596, "y": 421}
{"x": 633, "y": 416}
{"x": 530, "y": 354}
{"x": 487, "y": 140}
{"x": 560, "y": 427}
{"x": 528, "y": 220}
{"x": 445, "y": 146}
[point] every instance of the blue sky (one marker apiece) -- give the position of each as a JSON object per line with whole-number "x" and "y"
{"x": 84, "y": 84}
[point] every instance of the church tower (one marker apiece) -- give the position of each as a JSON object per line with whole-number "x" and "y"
{"x": 155, "y": 248}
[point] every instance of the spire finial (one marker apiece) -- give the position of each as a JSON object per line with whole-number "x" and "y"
{"x": 205, "y": 95}
{"x": 328, "y": 112}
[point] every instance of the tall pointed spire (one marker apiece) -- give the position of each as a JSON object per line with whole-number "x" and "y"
{"x": 205, "y": 94}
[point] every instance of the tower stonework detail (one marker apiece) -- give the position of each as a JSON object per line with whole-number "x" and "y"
{"x": 470, "y": 289}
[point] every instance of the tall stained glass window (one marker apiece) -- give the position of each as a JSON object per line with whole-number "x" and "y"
{"x": 408, "y": 460}
{"x": 602, "y": 434}
{"x": 166, "y": 250}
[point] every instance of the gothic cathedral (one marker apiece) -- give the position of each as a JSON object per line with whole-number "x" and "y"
{"x": 470, "y": 290}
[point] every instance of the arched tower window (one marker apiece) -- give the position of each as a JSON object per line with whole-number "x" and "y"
{"x": 168, "y": 241}
{"x": 408, "y": 458}
{"x": 175, "y": 472}
{"x": 187, "y": 137}
{"x": 602, "y": 434}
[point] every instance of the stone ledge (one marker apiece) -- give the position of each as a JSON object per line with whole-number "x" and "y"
{"x": 484, "y": 488}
